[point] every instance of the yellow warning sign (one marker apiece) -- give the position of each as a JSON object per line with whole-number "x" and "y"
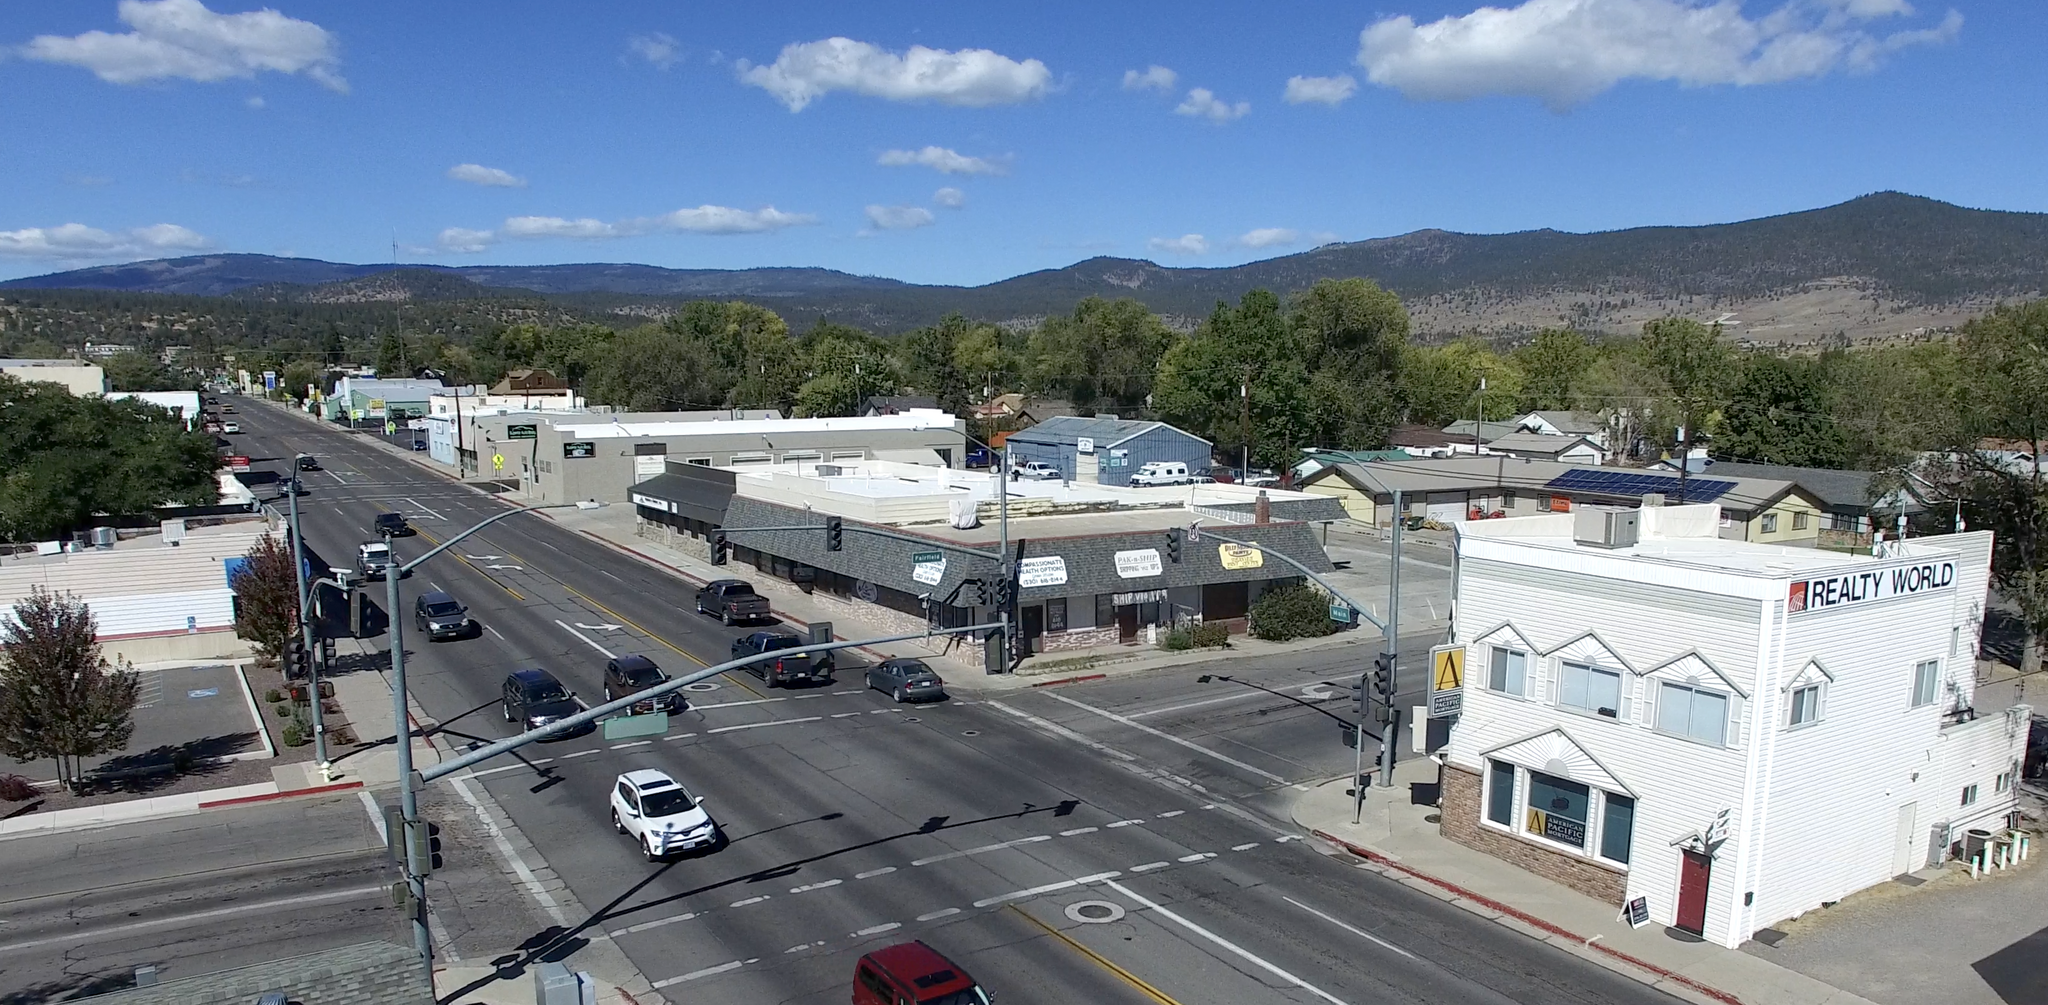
{"x": 1446, "y": 681}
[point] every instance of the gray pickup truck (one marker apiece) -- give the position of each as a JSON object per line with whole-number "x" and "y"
{"x": 732, "y": 601}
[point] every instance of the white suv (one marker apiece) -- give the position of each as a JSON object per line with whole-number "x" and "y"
{"x": 661, "y": 815}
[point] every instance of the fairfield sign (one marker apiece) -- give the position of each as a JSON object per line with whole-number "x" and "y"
{"x": 1830, "y": 592}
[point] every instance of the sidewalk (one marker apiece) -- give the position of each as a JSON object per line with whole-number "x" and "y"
{"x": 1399, "y": 839}
{"x": 365, "y": 699}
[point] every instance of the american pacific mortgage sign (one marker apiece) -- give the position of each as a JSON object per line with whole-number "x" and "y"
{"x": 1852, "y": 588}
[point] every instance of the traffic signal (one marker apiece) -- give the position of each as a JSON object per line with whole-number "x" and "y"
{"x": 1383, "y": 676}
{"x": 1361, "y": 697}
{"x": 297, "y": 661}
{"x": 1006, "y": 593}
{"x": 833, "y": 531}
{"x": 426, "y": 845}
{"x": 1173, "y": 545}
{"x": 718, "y": 547}
{"x": 982, "y": 596}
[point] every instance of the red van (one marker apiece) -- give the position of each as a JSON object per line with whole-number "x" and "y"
{"x": 913, "y": 973}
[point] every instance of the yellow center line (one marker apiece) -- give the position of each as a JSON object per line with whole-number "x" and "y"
{"x": 1129, "y": 978}
{"x": 436, "y": 542}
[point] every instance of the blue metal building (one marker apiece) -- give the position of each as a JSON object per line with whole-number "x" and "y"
{"x": 1105, "y": 449}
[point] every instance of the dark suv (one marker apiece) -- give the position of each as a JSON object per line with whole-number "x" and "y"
{"x": 392, "y": 524}
{"x": 534, "y": 698}
{"x": 790, "y": 666}
{"x": 440, "y": 616}
{"x": 624, "y": 675}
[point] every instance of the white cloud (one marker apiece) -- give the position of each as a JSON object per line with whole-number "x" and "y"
{"x": 489, "y": 177}
{"x": 78, "y": 242}
{"x": 1319, "y": 90}
{"x": 699, "y": 220}
{"x": 940, "y": 159}
{"x": 950, "y": 197}
{"x": 1270, "y": 237}
{"x": 659, "y": 48}
{"x": 181, "y": 39}
{"x": 583, "y": 228}
{"x": 254, "y": 101}
{"x": 1566, "y": 51}
{"x": 900, "y": 217}
{"x": 1155, "y": 78}
{"x": 1201, "y": 103}
{"x": 1186, "y": 244}
{"x": 726, "y": 220}
{"x": 462, "y": 240}
{"x": 807, "y": 71}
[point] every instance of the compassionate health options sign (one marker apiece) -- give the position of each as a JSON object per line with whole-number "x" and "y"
{"x": 1869, "y": 587}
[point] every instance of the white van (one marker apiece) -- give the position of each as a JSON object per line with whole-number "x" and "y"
{"x": 1161, "y": 473}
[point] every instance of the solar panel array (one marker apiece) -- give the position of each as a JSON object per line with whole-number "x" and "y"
{"x": 1633, "y": 483}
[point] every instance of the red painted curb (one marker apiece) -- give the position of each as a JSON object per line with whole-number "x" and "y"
{"x": 1526, "y": 918}
{"x": 1071, "y": 680}
{"x": 315, "y": 790}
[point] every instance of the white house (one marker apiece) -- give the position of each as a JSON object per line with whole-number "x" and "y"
{"x": 1734, "y": 732}
{"x": 1591, "y": 425}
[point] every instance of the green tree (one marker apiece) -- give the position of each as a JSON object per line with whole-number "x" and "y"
{"x": 1892, "y": 402}
{"x": 1105, "y": 350}
{"x": 930, "y": 364}
{"x": 1695, "y": 371}
{"x": 1778, "y": 413}
{"x": 1241, "y": 382}
{"x": 1554, "y": 368}
{"x": 59, "y": 696}
{"x": 266, "y": 597}
{"x": 134, "y": 371}
{"x": 67, "y": 461}
{"x": 844, "y": 366}
{"x": 296, "y": 377}
{"x": 989, "y": 361}
{"x": 1441, "y": 383}
{"x": 2002, "y": 404}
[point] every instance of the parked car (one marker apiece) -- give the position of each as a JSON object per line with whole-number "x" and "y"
{"x": 309, "y": 463}
{"x": 660, "y": 815}
{"x": 914, "y": 973}
{"x": 231, "y": 427}
{"x": 419, "y": 444}
{"x": 1037, "y": 471}
{"x": 1260, "y": 479}
{"x": 980, "y": 457}
{"x": 440, "y": 616}
{"x": 227, "y": 408}
{"x": 630, "y": 674}
{"x": 1156, "y": 473}
{"x": 791, "y": 666}
{"x": 906, "y": 680}
{"x": 392, "y": 525}
{"x": 534, "y": 698}
{"x": 372, "y": 557}
{"x": 732, "y": 601}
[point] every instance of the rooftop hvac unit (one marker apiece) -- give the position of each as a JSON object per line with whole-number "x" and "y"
{"x": 830, "y": 471}
{"x": 1605, "y": 527}
{"x": 104, "y": 537}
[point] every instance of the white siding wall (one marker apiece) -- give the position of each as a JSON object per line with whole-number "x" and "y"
{"x": 163, "y": 613}
{"x": 1680, "y": 784}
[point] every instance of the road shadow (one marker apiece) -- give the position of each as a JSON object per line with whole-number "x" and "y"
{"x": 145, "y": 771}
{"x": 73, "y": 986}
{"x": 2018, "y": 974}
{"x": 2004, "y": 639}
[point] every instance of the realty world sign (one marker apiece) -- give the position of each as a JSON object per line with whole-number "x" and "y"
{"x": 1853, "y": 588}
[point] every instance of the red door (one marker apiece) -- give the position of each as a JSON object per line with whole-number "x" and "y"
{"x": 1694, "y": 873}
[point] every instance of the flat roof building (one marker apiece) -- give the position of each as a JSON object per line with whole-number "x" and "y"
{"x": 80, "y": 378}
{"x": 1732, "y": 733}
{"x": 1104, "y": 449}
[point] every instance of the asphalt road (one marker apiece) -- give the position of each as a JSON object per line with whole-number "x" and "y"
{"x": 1141, "y": 820}
{"x": 79, "y": 912}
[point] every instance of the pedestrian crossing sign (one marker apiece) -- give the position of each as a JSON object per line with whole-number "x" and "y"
{"x": 1446, "y": 681}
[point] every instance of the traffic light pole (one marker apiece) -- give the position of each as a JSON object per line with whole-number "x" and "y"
{"x": 306, "y": 627}
{"x": 1393, "y": 649}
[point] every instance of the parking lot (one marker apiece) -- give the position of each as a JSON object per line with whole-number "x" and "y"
{"x": 198, "y": 712}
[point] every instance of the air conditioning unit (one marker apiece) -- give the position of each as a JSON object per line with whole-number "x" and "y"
{"x": 1605, "y": 527}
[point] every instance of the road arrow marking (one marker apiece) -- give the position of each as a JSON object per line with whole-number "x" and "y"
{"x": 482, "y": 558}
{"x": 599, "y": 628}
{"x": 521, "y": 568}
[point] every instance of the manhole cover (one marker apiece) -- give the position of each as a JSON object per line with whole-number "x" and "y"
{"x": 1095, "y": 912}
{"x": 702, "y": 685}
{"x": 910, "y": 718}
{"x": 970, "y": 732}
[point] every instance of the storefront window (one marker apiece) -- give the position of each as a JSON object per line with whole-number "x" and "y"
{"x": 1590, "y": 688}
{"x": 1617, "y": 827}
{"x": 1557, "y": 809}
{"x": 1500, "y": 793}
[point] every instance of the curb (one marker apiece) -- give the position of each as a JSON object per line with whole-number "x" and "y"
{"x": 1072, "y": 680}
{"x": 286, "y": 794}
{"x": 1526, "y": 918}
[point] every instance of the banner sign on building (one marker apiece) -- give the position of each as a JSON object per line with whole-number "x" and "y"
{"x": 652, "y": 503}
{"x": 579, "y": 448}
{"x": 1050, "y": 570}
{"x": 521, "y": 431}
{"x": 1237, "y": 556}
{"x": 1852, "y": 588}
{"x": 238, "y": 464}
{"x": 928, "y": 567}
{"x": 1139, "y": 563}
{"x": 1446, "y": 681}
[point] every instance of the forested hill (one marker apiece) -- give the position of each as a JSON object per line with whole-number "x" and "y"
{"x": 1896, "y": 249}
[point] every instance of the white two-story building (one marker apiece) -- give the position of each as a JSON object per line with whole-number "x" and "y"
{"x": 1735, "y": 733}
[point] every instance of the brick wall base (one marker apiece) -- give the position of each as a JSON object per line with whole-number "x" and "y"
{"x": 1077, "y": 638}
{"x": 1460, "y": 822}
{"x": 669, "y": 537}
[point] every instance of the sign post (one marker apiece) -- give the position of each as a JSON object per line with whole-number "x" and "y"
{"x": 1446, "y": 681}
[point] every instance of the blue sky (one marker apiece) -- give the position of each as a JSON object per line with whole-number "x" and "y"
{"x": 664, "y": 133}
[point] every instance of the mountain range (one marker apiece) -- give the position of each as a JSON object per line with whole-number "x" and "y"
{"x": 1878, "y": 266}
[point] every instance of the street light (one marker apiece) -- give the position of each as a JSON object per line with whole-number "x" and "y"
{"x": 306, "y": 626}
{"x": 408, "y": 795}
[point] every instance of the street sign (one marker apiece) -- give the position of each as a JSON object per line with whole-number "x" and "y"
{"x": 1342, "y": 614}
{"x": 522, "y": 431}
{"x": 927, "y": 557}
{"x": 238, "y": 464}
{"x": 579, "y": 448}
{"x": 928, "y": 567}
{"x": 497, "y": 462}
{"x": 390, "y": 427}
{"x": 1446, "y": 681}
{"x": 1050, "y": 570}
{"x": 620, "y": 727}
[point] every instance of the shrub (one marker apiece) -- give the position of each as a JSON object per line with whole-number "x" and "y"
{"x": 273, "y": 695}
{"x": 1291, "y": 612}
{"x": 283, "y": 711}
{"x": 16, "y": 788}
{"x": 293, "y": 736}
{"x": 1177, "y": 639}
{"x": 1211, "y": 634}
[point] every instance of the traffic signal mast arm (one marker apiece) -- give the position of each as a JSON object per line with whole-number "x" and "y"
{"x": 1304, "y": 570}
{"x": 826, "y": 528}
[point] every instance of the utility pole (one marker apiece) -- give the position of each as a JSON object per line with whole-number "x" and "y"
{"x": 1244, "y": 419}
{"x": 408, "y": 797}
{"x": 1003, "y": 551}
{"x": 1393, "y": 648}
{"x": 306, "y": 624}
{"x": 1479, "y": 418}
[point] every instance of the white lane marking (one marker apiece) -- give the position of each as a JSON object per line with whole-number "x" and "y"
{"x": 337, "y": 509}
{"x": 510, "y": 854}
{"x": 758, "y": 725}
{"x": 1367, "y": 936}
{"x": 1149, "y": 866}
{"x": 608, "y": 654}
{"x": 1247, "y": 846}
{"x": 878, "y": 929}
{"x": 1198, "y": 856}
{"x": 679, "y": 736}
{"x": 796, "y": 948}
{"x": 1169, "y": 814}
{"x": 1241, "y": 952}
{"x": 843, "y": 715}
{"x": 428, "y": 510}
{"x": 749, "y": 900}
{"x": 376, "y": 816}
{"x": 1048, "y": 888}
{"x": 580, "y": 753}
{"x": 336, "y": 477}
{"x": 862, "y": 691}
{"x": 1061, "y": 731}
{"x": 732, "y": 704}
{"x": 1169, "y": 737}
{"x": 1079, "y": 830}
{"x": 1125, "y": 823}
{"x": 499, "y": 634}
{"x": 635, "y": 743}
{"x": 951, "y": 855}
{"x": 616, "y": 579}
{"x": 95, "y": 934}
{"x": 656, "y": 923}
{"x": 1198, "y": 704}
{"x": 706, "y": 972}
{"x": 872, "y": 873}
{"x": 1284, "y": 838}
{"x": 816, "y": 886}
{"x": 436, "y": 586}
{"x": 936, "y": 915}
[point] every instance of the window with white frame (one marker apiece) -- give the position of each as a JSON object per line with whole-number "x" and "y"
{"x": 1693, "y": 713}
{"x": 1969, "y": 793}
{"x": 1803, "y": 709}
{"x": 1558, "y": 809}
{"x": 1590, "y": 688}
{"x": 2003, "y": 782}
{"x": 1925, "y": 677}
{"x": 1770, "y": 523}
{"x": 1799, "y": 520}
{"x": 1561, "y": 811}
{"x": 1508, "y": 672}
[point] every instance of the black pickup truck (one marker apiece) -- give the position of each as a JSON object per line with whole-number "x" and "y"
{"x": 732, "y": 601}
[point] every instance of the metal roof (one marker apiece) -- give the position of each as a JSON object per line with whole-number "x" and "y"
{"x": 1065, "y": 429}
